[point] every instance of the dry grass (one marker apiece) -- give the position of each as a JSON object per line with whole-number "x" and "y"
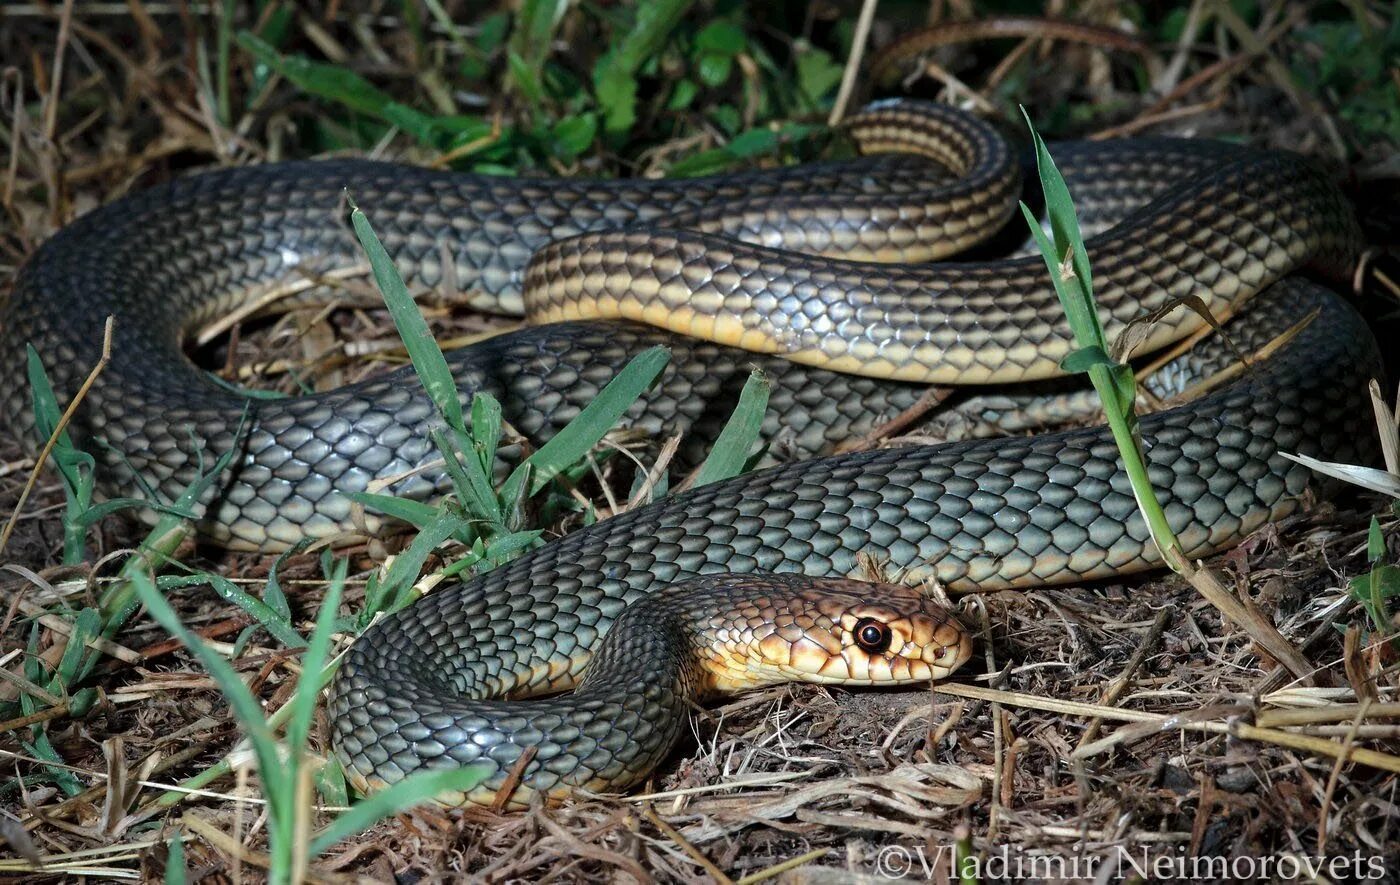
{"x": 1122, "y": 715}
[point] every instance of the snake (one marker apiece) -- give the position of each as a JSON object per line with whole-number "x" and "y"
{"x": 823, "y": 275}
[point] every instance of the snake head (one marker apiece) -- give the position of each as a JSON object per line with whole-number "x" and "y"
{"x": 785, "y": 628}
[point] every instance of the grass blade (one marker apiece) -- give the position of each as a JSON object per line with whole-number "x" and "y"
{"x": 312, "y": 662}
{"x": 571, "y": 444}
{"x": 246, "y": 707}
{"x": 740, "y": 433}
{"x": 413, "y": 790}
{"x": 423, "y": 350}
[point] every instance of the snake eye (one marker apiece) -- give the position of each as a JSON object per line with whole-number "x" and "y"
{"x": 872, "y": 636}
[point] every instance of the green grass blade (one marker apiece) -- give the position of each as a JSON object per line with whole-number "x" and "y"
{"x": 1068, "y": 264}
{"x": 534, "y": 30}
{"x": 272, "y": 590}
{"x": 175, "y": 861}
{"x": 413, "y": 790}
{"x": 339, "y": 84}
{"x": 423, "y": 350}
{"x": 245, "y": 707}
{"x": 42, "y": 748}
{"x": 76, "y": 468}
{"x": 414, "y": 513}
{"x": 394, "y": 591}
{"x": 472, "y": 484}
{"x": 330, "y": 783}
{"x": 272, "y": 620}
{"x": 570, "y": 445}
{"x": 225, "y": 40}
{"x": 740, "y": 433}
{"x": 87, "y": 625}
{"x": 486, "y": 430}
{"x": 1069, "y": 241}
{"x": 312, "y": 662}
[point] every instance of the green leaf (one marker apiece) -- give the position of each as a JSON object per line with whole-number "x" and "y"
{"x": 423, "y": 350}
{"x": 486, "y": 430}
{"x": 614, "y": 77}
{"x": 175, "y": 861}
{"x": 1083, "y": 359}
{"x": 323, "y": 80}
{"x": 330, "y": 783}
{"x": 683, "y": 94}
{"x": 713, "y": 69}
{"x": 523, "y": 76}
{"x": 87, "y": 625}
{"x": 1069, "y": 240}
{"x": 394, "y": 591}
{"x": 472, "y": 484}
{"x": 817, "y": 73}
{"x": 1375, "y": 542}
{"x": 753, "y": 143}
{"x": 722, "y": 38}
{"x": 534, "y": 30}
{"x": 616, "y": 90}
{"x": 1387, "y": 580}
{"x": 740, "y": 433}
{"x": 572, "y": 136}
{"x": 42, "y": 748}
{"x": 272, "y": 590}
{"x": 1373, "y": 590}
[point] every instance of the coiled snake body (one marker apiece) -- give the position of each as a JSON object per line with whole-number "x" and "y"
{"x": 1175, "y": 219}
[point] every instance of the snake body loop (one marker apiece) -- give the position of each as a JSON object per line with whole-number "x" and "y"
{"x": 711, "y": 257}
{"x": 705, "y": 635}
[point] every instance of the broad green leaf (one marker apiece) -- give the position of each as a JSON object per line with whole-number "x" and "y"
{"x": 615, "y": 75}
{"x": 753, "y": 143}
{"x": 330, "y": 783}
{"x": 572, "y": 136}
{"x": 721, "y": 38}
{"x": 714, "y": 69}
{"x": 817, "y": 73}
{"x": 1082, "y": 359}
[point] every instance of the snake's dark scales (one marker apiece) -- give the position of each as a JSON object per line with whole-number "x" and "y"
{"x": 977, "y": 515}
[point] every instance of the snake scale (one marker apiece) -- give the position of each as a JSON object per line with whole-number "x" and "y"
{"x": 822, "y": 266}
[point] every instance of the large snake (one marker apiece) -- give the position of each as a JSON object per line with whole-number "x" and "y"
{"x": 1176, "y": 219}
